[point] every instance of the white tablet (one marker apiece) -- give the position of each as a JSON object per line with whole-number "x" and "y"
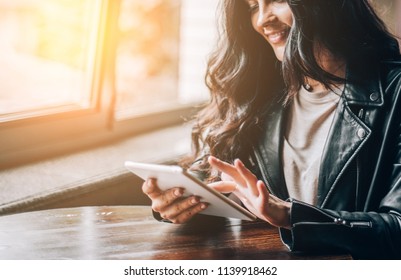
{"x": 174, "y": 176}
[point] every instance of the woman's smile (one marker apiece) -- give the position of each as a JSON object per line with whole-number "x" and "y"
{"x": 275, "y": 37}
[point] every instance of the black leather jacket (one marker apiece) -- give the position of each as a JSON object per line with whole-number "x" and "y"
{"x": 359, "y": 190}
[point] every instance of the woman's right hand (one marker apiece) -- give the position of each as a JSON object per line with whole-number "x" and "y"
{"x": 170, "y": 203}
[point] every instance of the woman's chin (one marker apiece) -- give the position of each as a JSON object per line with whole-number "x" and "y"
{"x": 279, "y": 52}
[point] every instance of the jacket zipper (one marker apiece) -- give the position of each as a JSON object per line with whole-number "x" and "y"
{"x": 360, "y": 224}
{"x": 356, "y": 224}
{"x": 361, "y": 114}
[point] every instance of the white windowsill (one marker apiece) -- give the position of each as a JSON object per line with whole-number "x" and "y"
{"x": 25, "y": 188}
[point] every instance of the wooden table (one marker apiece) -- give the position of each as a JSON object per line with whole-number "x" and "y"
{"x": 130, "y": 232}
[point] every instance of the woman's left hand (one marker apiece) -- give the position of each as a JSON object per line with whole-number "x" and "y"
{"x": 252, "y": 192}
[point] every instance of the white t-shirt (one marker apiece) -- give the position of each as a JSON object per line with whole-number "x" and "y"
{"x": 309, "y": 120}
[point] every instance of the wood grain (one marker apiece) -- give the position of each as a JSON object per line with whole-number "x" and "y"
{"x": 130, "y": 232}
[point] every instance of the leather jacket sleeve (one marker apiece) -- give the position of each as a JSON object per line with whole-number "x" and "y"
{"x": 366, "y": 235}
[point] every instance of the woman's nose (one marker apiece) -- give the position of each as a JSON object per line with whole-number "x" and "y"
{"x": 265, "y": 16}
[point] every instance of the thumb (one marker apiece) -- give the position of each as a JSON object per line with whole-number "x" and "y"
{"x": 150, "y": 188}
{"x": 226, "y": 177}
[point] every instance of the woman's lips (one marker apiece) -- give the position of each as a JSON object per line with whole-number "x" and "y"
{"x": 276, "y": 37}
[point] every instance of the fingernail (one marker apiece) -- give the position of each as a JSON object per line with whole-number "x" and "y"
{"x": 215, "y": 159}
{"x": 203, "y": 206}
{"x": 194, "y": 200}
{"x": 177, "y": 192}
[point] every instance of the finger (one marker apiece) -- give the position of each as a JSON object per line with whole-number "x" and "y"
{"x": 263, "y": 189}
{"x": 227, "y": 168}
{"x": 178, "y": 207}
{"x": 166, "y": 198}
{"x": 224, "y": 186}
{"x": 188, "y": 214}
{"x": 263, "y": 193}
{"x": 248, "y": 176}
{"x": 226, "y": 177}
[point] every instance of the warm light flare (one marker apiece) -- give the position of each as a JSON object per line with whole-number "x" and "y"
{"x": 44, "y": 53}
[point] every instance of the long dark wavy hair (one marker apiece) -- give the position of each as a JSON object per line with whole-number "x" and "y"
{"x": 244, "y": 76}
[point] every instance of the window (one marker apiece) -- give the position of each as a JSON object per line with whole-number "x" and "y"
{"x": 45, "y": 53}
{"x": 79, "y": 73}
{"x": 157, "y": 50}
{"x": 147, "y": 56}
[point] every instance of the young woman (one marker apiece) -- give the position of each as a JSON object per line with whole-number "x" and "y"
{"x": 303, "y": 126}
